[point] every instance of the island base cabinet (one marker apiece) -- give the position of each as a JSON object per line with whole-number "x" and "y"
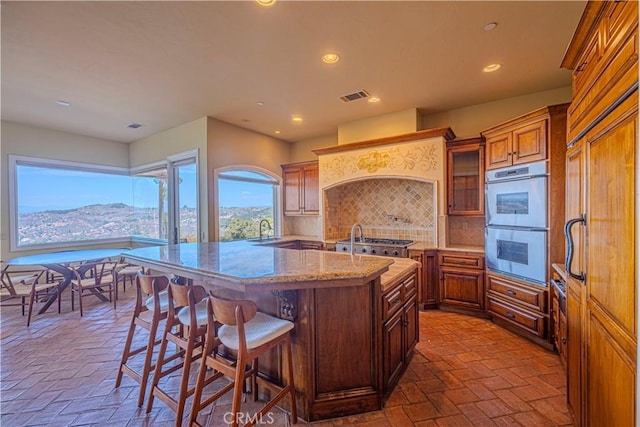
{"x": 400, "y": 329}
{"x": 350, "y": 344}
{"x": 393, "y": 355}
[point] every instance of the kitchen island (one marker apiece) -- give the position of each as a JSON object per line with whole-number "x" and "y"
{"x": 348, "y": 346}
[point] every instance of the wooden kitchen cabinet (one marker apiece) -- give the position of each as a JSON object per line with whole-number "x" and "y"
{"x": 519, "y": 306}
{"x": 461, "y": 280}
{"x": 575, "y": 206}
{"x": 301, "y": 188}
{"x": 427, "y": 277}
{"x": 514, "y": 145}
{"x": 400, "y": 328}
{"x": 465, "y": 177}
{"x": 573, "y": 348}
{"x": 536, "y": 136}
{"x": 602, "y": 318}
{"x": 558, "y": 317}
{"x": 528, "y": 138}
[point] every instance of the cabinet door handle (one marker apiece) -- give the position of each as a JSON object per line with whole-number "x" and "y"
{"x": 510, "y": 315}
{"x": 569, "y": 240}
{"x": 510, "y": 292}
{"x": 564, "y": 340}
{"x": 581, "y": 67}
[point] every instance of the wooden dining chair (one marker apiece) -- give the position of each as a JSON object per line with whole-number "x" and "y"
{"x": 27, "y": 287}
{"x": 125, "y": 271}
{"x": 186, "y": 327}
{"x": 150, "y": 310}
{"x": 95, "y": 277}
{"x": 250, "y": 333}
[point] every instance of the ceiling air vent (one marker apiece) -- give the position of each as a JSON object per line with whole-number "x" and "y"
{"x": 355, "y": 96}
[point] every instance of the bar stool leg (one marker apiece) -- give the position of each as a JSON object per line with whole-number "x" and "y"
{"x": 237, "y": 390}
{"x": 158, "y": 371}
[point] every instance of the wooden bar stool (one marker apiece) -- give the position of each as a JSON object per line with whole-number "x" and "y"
{"x": 251, "y": 333}
{"x": 186, "y": 327}
{"x": 150, "y": 309}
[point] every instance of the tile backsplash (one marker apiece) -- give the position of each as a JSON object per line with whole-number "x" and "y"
{"x": 466, "y": 231}
{"x": 385, "y": 207}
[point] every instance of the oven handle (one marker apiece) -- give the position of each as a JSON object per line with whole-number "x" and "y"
{"x": 569, "y": 239}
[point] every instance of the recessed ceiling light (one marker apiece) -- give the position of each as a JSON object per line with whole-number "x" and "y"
{"x": 374, "y": 99}
{"x": 491, "y": 68}
{"x": 63, "y": 103}
{"x": 265, "y": 2}
{"x": 134, "y": 125}
{"x": 330, "y": 58}
{"x": 276, "y": 131}
{"x": 490, "y": 26}
{"x": 260, "y": 103}
{"x": 296, "y": 119}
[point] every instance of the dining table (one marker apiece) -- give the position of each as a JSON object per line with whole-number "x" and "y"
{"x": 60, "y": 262}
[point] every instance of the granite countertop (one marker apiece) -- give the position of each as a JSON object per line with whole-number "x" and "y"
{"x": 421, "y": 246}
{"x": 562, "y": 272}
{"x": 400, "y": 268}
{"x": 242, "y": 265}
{"x": 417, "y": 245}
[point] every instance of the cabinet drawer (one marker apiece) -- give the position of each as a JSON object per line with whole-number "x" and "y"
{"x": 461, "y": 259}
{"x": 392, "y": 301}
{"x": 529, "y": 297}
{"x": 410, "y": 286}
{"x": 532, "y": 322}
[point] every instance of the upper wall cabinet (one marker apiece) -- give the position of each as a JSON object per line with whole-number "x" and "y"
{"x": 527, "y": 138}
{"x": 515, "y": 146}
{"x": 301, "y": 189}
{"x": 465, "y": 177}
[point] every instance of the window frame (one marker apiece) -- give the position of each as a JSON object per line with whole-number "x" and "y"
{"x": 277, "y": 209}
{"x": 16, "y": 160}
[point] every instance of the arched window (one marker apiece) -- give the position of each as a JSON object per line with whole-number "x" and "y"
{"x": 246, "y": 196}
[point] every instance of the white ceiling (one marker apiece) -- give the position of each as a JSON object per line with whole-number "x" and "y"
{"x": 163, "y": 64}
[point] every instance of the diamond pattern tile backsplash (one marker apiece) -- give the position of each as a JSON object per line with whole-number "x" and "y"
{"x": 391, "y": 208}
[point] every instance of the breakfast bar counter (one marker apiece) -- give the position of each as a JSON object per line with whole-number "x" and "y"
{"x": 337, "y": 302}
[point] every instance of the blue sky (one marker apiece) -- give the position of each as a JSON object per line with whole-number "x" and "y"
{"x": 243, "y": 194}
{"x": 49, "y": 189}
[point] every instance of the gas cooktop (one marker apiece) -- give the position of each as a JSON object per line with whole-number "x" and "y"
{"x": 375, "y": 241}
{"x": 375, "y": 246}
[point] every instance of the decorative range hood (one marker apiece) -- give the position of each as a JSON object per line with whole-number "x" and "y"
{"x": 419, "y": 155}
{"x": 416, "y": 156}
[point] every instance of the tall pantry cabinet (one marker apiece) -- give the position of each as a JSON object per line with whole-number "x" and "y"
{"x": 602, "y": 188}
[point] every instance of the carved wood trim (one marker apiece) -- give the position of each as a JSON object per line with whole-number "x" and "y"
{"x": 446, "y": 133}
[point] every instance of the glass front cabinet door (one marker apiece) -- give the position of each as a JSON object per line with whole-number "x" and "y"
{"x": 465, "y": 177}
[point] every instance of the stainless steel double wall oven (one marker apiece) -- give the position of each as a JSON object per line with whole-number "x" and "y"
{"x": 516, "y": 221}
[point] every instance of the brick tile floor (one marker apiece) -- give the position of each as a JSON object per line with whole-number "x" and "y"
{"x": 465, "y": 372}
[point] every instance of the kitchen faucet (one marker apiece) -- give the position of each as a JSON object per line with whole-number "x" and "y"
{"x": 260, "y": 227}
{"x": 353, "y": 236}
